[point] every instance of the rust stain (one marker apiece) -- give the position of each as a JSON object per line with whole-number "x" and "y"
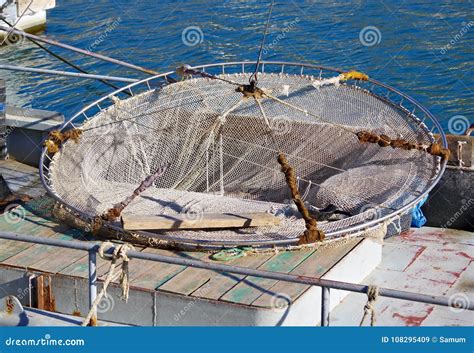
{"x": 411, "y": 320}
{"x": 467, "y": 256}
{"x": 10, "y": 304}
{"x": 76, "y": 313}
{"x": 384, "y": 309}
{"x": 93, "y": 321}
{"x": 456, "y": 274}
{"x": 417, "y": 254}
{"x": 432, "y": 236}
{"x": 440, "y": 281}
{"x": 448, "y": 250}
{"x": 407, "y": 234}
{"x": 46, "y": 300}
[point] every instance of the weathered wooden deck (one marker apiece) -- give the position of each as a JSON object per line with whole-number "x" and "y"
{"x": 59, "y": 265}
{"x": 427, "y": 260}
{"x": 162, "y": 294}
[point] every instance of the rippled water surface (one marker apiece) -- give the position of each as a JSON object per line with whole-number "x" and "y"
{"x": 425, "y": 49}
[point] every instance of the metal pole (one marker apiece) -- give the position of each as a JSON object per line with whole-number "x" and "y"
{"x": 286, "y": 277}
{"x": 92, "y": 283}
{"x": 3, "y": 123}
{"x": 67, "y": 73}
{"x": 78, "y": 50}
{"x": 60, "y": 57}
{"x": 325, "y": 306}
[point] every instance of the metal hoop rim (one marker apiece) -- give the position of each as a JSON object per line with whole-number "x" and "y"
{"x": 355, "y": 229}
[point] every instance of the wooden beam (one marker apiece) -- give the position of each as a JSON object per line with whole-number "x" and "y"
{"x": 204, "y": 221}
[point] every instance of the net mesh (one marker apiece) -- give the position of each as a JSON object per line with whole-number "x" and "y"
{"x": 223, "y": 148}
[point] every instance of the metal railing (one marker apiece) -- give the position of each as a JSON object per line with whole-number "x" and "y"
{"x": 325, "y": 284}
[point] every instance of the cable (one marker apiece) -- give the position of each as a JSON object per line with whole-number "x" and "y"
{"x": 64, "y": 60}
{"x": 253, "y": 78}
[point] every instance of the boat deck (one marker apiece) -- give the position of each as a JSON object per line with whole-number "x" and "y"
{"x": 432, "y": 261}
{"x": 61, "y": 265}
{"x": 427, "y": 260}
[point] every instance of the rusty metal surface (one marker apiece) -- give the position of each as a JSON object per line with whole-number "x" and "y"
{"x": 462, "y": 152}
{"x": 45, "y": 296}
{"x": 11, "y": 312}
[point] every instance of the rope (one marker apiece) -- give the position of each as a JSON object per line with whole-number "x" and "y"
{"x": 230, "y": 254}
{"x": 253, "y": 79}
{"x": 434, "y": 149}
{"x": 345, "y": 76}
{"x": 120, "y": 253}
{"x": 252, "y": 90}
{"x": 369, "y": 308}
{"x": 113, "y": 213}
{"x": 312, "y": 233}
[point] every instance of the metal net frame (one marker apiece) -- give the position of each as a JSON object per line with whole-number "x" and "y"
{"x": 222, "y": 151}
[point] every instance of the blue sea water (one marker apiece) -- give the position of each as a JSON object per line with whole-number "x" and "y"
{"x": 424, "y": 48}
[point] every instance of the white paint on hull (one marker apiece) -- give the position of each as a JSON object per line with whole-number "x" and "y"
{"x": 26, "y": 15}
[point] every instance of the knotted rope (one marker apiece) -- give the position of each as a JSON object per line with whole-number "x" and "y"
{"x": 312, "y": 233}
{"x": 434, "y": 149}
{"x": 369, "y": 308}
{"x": 120, "y": 253}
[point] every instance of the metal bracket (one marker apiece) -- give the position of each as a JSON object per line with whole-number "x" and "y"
{"x": 461, "y": 163}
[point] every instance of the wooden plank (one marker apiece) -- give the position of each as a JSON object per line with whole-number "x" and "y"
{"x": 220, "y": 283}
{"x": 318, "y": 264}
{"x": 80, "y": 268}
{"x": 250, "y": 288}
{"x": 22, "y": 178}
{"x": 191, "y": 279}
{"x": 25, "y": 224}
{"x": 57, "y": 259}
{"x": 160, "y": 273}
{"x": 43, "y": 257}
{"x": 139, "y": 267}
{"x": 9, "y": 248}
{"x": 186, "y": 281}
{"x": 205, "y": 221}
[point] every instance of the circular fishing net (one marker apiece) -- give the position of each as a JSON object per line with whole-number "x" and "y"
{"x": 221, "y": 147}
